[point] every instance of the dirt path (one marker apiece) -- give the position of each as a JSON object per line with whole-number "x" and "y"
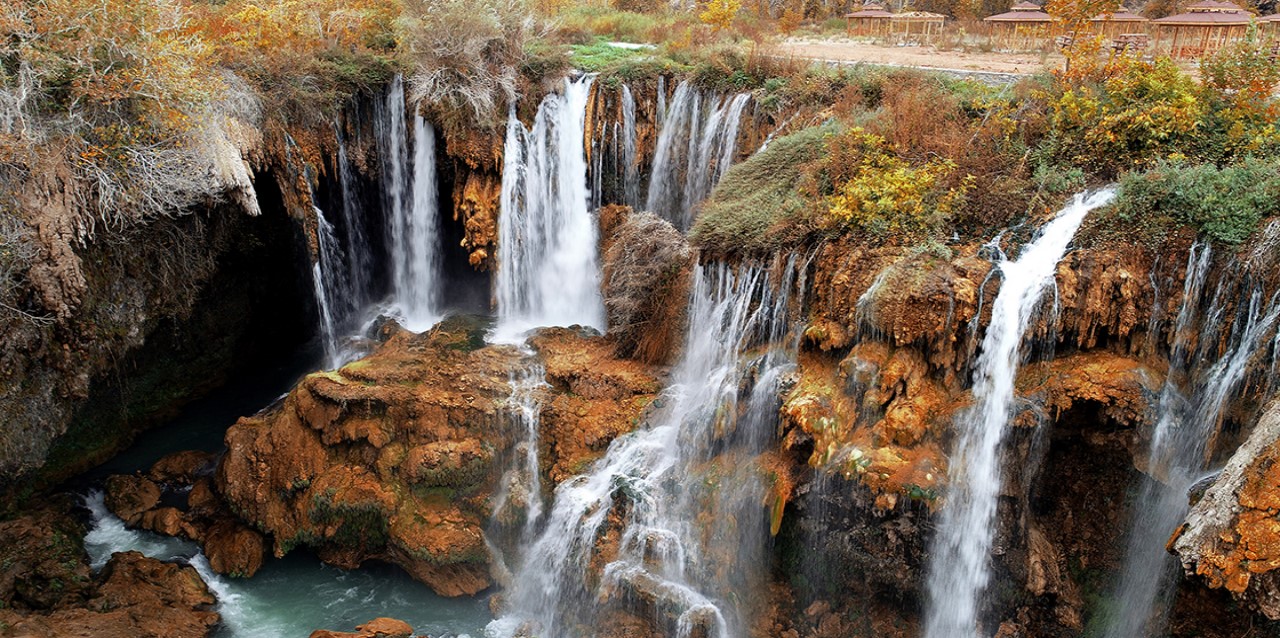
{"x": 921, "y": 57}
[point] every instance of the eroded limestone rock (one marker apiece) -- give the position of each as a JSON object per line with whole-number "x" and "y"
{"x": 1231, "y": 537}
{"x": 46, "y": 588}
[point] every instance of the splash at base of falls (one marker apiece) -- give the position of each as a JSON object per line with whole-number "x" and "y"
{"x": 696, "y": 546}
{"x": 960, "y": 559}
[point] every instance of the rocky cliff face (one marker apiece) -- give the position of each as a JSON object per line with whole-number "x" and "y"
{"x": 869, "y": 420}
{"x": 167, "y": 312}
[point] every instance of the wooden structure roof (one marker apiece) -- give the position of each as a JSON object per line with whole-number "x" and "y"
{"x": 1208, "y": 13}
{"x": 1021, "y": 12}
{"x": 1119, "y": 15}
{"x": 869, "y": 11}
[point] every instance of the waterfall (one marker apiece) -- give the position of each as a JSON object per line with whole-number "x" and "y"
{"x": 359, "y": 253}
{"x": 393, "y": 156}
{"x": 522, "y": 483}
{"x": 686, "y": 482}
{"x": 1186, "y": 423}
{"x": 696, "y": 145}
{"x": 327, "y": 277}
{"x": 417, "y": 255}
{"x": 410, "y": 196}
{"x": 630, "y": 171}
{"x": 548, "y": 271}
{"x": 959, "y": 564}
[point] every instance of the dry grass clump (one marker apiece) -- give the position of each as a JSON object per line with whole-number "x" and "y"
{"x": 466, "y": 52}
{"x": 646, "y": 276}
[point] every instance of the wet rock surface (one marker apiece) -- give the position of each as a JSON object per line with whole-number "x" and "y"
{"x": 376, "y": 628}
{"x": 396, "y": 457}
{"x": 1231, "y": 538}
{"x": 182, "y": 501}
{"x": 48, "y": 589}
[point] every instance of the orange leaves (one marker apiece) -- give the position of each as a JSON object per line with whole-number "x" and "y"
{"x": 268, "y": 29}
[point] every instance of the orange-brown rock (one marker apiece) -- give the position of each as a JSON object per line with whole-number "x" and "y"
{"x": 878, "y": 415}
{"x": 376, "y": 628}
{"x": 167, "y": 521}
{"x": 139, "y": 597}
{"x": 182, "y": 468}
{"x": 129, "y": 496}
{"x": 1231, "y": 538}
{"x": 396, "y": 457}
{"x": 43, "y": 565}
{"x": 475, "y": 204}
{"x": 1122, "y": 386}
{"x": 898, "y": 296}
{"x": 599, "y": 398}
{"x": 233, "y": 548}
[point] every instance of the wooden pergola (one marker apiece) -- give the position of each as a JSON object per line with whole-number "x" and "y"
{"x": 870, "y": 20}
{"x": 1023, "y": 26}
{"x": 1117, "y": 23}
{"x": 917, "y": 27}
{"x": 1205, "y": 28}
{"x": 1270, "y": 27}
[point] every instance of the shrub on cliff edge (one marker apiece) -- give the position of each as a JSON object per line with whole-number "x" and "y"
{"x": 1226, "y": 204}
{"x": 758, "y": 206}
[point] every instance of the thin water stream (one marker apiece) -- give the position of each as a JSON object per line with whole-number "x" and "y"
{"x": 959, "y": 569}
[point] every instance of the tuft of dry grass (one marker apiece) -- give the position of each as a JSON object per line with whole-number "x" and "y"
{"x": 646, "y": 278}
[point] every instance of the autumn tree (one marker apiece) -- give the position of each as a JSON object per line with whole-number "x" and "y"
{"x": 1240, "y": 82}
{"x": 1075, "y": 16}
{"x": 720, "y": 13}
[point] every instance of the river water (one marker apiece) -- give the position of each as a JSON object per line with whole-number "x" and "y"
{"x": 289, "y": 597}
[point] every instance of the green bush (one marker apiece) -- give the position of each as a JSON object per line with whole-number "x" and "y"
{"x": 758, "y": 205}
{"x": 1226, "y": 204}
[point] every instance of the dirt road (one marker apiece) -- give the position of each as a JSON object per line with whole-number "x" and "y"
{"x": 921, "y": 57}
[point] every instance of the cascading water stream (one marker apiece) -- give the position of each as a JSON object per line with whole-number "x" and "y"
{"x": 359, "y": 252}
{"x": 628, "y": 159}
{"x": 417, "y": 254}
{"x": 694, "y": 532}
{"x": 327, "y": 277}
{"x": 330, "y": 283}
{"x": 696, "y": 145}
{"x": 548, "y": 267}
{"x": 959, "y": 564}
{"x": 522, "y": 483}
{"x": 410, "y": 194}
{"x": 1187, "y": 421}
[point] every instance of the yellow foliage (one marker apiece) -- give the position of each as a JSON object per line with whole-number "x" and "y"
{"x": 720, "y": 13}
{"x": 1141, "y": 112}
{"x": 886, "y": 194}
{"x": 275, "y": 28}
{"x": 790, "y": 20}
